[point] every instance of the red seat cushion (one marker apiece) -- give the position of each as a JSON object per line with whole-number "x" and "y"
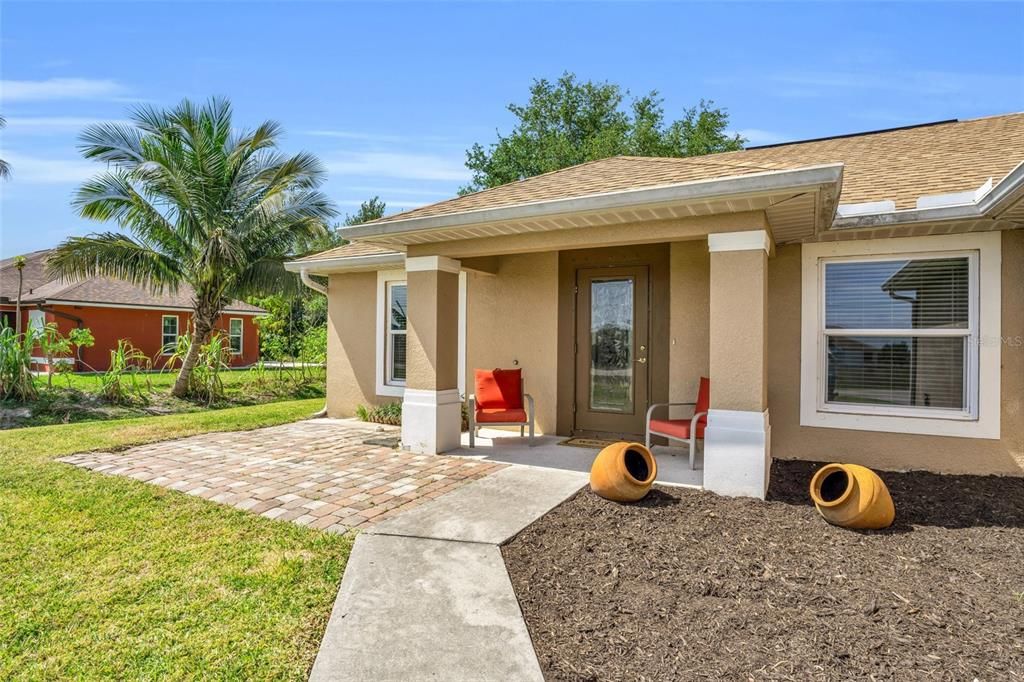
{"x": 498, "y": 416}
{"x": 499, "y": 389}
{"x": 677, "y": 428}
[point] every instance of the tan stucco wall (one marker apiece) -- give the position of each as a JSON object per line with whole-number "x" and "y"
{"x": 514, "y": 316}
{"x": 689, "y": 319}
{"x": 891, "y": 450}
{"x": 433, "y": 330}
{"x": 351, "y": 343}
{"x": 738, "y": 303}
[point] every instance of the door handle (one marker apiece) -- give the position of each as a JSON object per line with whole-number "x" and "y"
{"x": 642, "y": 360}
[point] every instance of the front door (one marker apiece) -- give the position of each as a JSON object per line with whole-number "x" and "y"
{"x": 612, "y": 329}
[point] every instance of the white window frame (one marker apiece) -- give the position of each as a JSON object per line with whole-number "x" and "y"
{"x": 36, "y": 320}
{"x": 390, "y": 334}
{"x": 168, "y": 349}
{"x": 241, "y": 335}
{"x": 383, "y": 387}
{"x": 980, "y": 418}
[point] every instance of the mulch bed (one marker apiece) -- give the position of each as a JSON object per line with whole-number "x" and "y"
{"x": 689, "y": 585}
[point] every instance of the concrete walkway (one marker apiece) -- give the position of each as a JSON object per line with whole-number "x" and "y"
{"x": 426, "y": 595}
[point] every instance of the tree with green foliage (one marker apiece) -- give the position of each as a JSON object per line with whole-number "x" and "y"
{"x": 199, "y": 203}
{"x": 568, "y": 122}
{"x": 368, "y": 210}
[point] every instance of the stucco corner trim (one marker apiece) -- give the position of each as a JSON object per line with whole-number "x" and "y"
{"x": 430, "y": 263}
{"x": 748, "y": 240}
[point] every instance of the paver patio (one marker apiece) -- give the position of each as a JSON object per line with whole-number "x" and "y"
{"x": 317, "y": 472}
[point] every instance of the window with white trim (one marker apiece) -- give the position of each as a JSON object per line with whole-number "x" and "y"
{"x": 169, "y": 334}
{"x": 395, "y": 334}
{"x": 899, "y": 335}
{"x": 235, "y": 335}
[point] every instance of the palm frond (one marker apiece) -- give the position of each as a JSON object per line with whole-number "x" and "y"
{"x": 109, "y": 254}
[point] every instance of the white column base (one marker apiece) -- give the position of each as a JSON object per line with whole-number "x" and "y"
{"x": 431, "y": 421}
{"x": 737, "y": 453}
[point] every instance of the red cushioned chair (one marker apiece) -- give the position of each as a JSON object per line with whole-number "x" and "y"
{"x": 688, "y": 429}
{"x": 499, "y": 401}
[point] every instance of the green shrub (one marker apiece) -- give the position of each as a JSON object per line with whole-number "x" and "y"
{"x": 314, "y": 346}
{"x": 388, "y": 413}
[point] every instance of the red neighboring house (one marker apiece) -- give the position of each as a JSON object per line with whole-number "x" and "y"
{"x": 114, "y": 309}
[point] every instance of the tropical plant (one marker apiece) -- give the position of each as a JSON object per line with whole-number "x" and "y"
{"x": 200, "y": 205}
{"x": 205, "y": 382}
{"x": 56, "y": 346}
{"x": 570, "y": 122}
{"x": 16, "y": 380}
{"x": 126, "y": 378}
{"x": 388, "y": 413}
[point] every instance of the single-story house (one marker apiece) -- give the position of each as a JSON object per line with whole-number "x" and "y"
{"x": 854, "y": 298}
{"x": 114, "y": 309}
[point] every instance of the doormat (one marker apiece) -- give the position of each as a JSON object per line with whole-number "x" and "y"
{"x": 588, "y": 442}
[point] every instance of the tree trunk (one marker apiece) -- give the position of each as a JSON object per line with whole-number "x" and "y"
{"x": 17, "y": 306}
{"x": 200, "y": 335}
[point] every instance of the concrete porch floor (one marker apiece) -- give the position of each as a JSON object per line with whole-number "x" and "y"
{"x": 495, "y": 445}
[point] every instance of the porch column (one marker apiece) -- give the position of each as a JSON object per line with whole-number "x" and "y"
{"x": 737, "y": 455}
{"x": 432, "y": 407}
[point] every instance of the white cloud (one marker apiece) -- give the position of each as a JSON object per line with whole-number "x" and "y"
{"x": 40, "y": 171}
{"x": 353, "y": 135}
{"x": 756, "y": 136}
{"x": 919, "y": 82}
{"x": 401, "y": 191}
{"x": 398, "y": 165}
{"x": 58, "y": 88}
{"x": 53, "y": 124}
{"x": 361, "y": 136}
{"x": 390, "y": 204}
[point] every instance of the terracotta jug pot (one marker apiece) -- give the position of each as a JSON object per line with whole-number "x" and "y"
{"x": 623, "y": 472}
{"x": 852, "y": 496}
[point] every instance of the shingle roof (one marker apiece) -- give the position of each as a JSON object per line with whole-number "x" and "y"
{"x": 351, "y": 250}
{"x": 900, "y": 165}
{"x": 33, "y": 275}
{"x": 94, "y": 290}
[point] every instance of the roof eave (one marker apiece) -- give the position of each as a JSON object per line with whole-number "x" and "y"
{"x": 1009, "y": 191}
{"x": 327, "y": 266}
{"x": 799, "y": 179}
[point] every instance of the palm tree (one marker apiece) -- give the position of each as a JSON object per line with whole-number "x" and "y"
{"x": 202, "y": 205}
{"x": 19, "y": 265}
{"x": 5, "y": 168}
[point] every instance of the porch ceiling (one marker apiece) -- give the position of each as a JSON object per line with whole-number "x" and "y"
{"x": 798, "y": 204}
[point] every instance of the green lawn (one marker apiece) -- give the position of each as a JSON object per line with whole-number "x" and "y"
{"x": 105, "y": 577}
{"x": 75, "y": 398}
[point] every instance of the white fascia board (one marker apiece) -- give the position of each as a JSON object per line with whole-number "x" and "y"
{"x": 327, "y": 266}
{"x": 1006, "y": 192}
{"x": 696, "y": 190}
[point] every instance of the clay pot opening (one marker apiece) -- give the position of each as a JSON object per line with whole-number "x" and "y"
{"x": 834, "y": 486}
{"x": 637, "y": 465}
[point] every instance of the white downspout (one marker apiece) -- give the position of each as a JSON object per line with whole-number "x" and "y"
{"x": 320, "y": 288}
{"x": 311, "y": 283}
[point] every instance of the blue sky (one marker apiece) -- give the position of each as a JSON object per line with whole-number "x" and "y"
{"x": 389, "y": 96}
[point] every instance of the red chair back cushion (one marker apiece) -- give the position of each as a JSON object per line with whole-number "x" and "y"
{"x": 703, "y": 399}
{"x": 499, "y": 389}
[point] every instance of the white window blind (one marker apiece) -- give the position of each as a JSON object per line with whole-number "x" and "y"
{"x": 900, "y": 334}
{"x": 396, "y": 333}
